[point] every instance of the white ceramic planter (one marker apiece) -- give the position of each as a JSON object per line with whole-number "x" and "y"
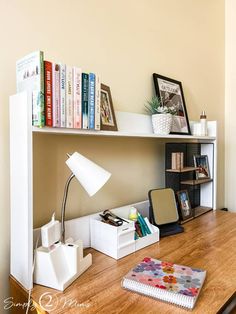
{"x": 162, "y": 123}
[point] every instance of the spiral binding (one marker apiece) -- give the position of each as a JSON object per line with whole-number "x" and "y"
{"x": 161, "y": 294}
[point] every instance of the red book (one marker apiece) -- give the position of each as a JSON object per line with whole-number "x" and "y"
{"x": 48, "y": 92}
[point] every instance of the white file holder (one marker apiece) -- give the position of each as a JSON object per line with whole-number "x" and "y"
{"x": 118, "y": 242}
{"x": 113, "y": 241}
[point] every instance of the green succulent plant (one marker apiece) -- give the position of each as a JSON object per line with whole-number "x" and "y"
{"x": 154, "y": 106}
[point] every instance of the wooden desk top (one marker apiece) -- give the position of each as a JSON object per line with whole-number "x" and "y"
{"x": 209, "y": 242}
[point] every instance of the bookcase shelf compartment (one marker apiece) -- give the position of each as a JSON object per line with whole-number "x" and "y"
{"x": 201, "y": 192}
{"x": 185, "y": 169}
{"x": 196, "y": 182}
{"x": 22, "y": 154}
{"x": 127, "y": 133}
{"x": 131, "y": 125}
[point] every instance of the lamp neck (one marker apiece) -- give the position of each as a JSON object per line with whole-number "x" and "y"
{"x": 63, "y": 208}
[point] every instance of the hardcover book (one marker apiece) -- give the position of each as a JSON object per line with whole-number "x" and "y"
{"x": 166, "y": 281}
{"x": 177, "y": 160}
{"x": 63, "y": 95}
{"x": 30, "y": 77}
{"x": 48, "y": 92}
{"x": 97, "y": 103}
{"x": 91, "y": 100}
{"x": 77, "y": 91}
{"x": 85, "y": 90}
{"x": 69, "y": 98}
{"x": 56, "y": 110}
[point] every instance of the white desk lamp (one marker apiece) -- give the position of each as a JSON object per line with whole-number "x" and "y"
{"x": 58, "y": 266}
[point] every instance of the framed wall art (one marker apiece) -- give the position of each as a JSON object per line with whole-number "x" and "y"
{"x": 108, "y": 119}
{"x": 184, "y": 204}
{"x": 171, "y": 94}
{"x": 202, "y": 165}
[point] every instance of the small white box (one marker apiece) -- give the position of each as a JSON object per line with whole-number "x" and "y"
{"x": 118, "y": 242}
{"x": 113, "y": 241}
{"x": 195, "y": 128}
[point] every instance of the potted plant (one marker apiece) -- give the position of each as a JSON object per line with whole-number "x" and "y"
{"x": 161, "y": 115}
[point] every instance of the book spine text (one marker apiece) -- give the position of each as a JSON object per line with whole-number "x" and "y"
{"x": 97, "y": 103}
{"x": 85, "y": 89}
{"x": 48, "y": 92}
{"x": 91, "y": 100}
{"x": 77, "y": 90}
{"x": 56, "y": 95}
{"x": 63, "y": 95}
{"x": 69, "y": 97}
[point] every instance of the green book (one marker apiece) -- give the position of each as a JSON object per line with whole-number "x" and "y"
{"x": 143, "y": 224}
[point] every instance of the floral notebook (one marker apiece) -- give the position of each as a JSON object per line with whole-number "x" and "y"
{"x": 165, "y": 281}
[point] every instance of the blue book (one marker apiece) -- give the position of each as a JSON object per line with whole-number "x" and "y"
{"x": 143, "y": 224}
{"x": 85, "y": 91}
{"x": 91, "y": 104}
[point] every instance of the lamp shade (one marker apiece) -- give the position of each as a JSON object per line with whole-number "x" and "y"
{"x": 91, "y": 176}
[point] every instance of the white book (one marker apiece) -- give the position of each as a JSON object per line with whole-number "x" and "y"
{"x": 77, "y": 97}
{"x": 30, "y": 78}
{"x": 63, "y": 94}
{"x": 56, "y": 110}
{"x": 97, "y": 103}
{"x": 69, "y": 98}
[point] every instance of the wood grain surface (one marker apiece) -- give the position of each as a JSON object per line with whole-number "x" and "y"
{"x": 209, "y": 242}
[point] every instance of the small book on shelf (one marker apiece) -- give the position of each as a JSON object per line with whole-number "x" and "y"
{"x": 177, "y": 161}
{"x": 166, "y": 281}
{"x": 62, "y": 95}
{"x": 48, "y": 92}
{"x": 77, "y": 97}
{"x": 85, "y": 98}
{"x": 91, "y": 95}
{"x": 30, "y": 78}
{"x": 69, "y": 97}
{"x": 56, "y": 108}
{"x": 97, "y": 121}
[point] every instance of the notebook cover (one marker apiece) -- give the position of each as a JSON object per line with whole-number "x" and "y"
{"x": 166, "y": 281}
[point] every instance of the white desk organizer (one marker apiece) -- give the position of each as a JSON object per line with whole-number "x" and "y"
{"x": 59, "y": 267}
{"x": 118, "y": 242}
{"x": 114, "y": 241}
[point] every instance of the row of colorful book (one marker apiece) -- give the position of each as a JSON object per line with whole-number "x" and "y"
{"x": 142, "y": 227}
{"x": 62, "y": 96}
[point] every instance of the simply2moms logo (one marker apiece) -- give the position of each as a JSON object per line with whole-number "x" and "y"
{"x": 47, "y": 302}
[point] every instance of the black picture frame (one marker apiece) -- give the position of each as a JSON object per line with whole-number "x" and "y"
{"x": 108, "y": 118}
{"x": 185, "y": 208}
{"x": 171, "y": 93}
{"x": 202, "y": 167}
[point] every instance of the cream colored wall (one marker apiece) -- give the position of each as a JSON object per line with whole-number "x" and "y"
{"x": 230, "y": 120}
{"x": 137, "y": 165}
{"x": 124, "y": 41}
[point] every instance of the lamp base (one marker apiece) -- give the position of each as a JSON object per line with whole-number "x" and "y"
{"x": 59, "y": 267}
